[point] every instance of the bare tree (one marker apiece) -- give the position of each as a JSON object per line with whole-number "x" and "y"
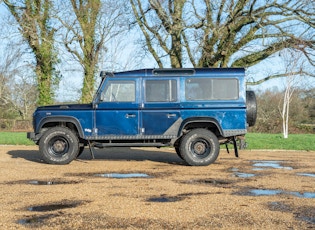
{"x": 17, "y": 97}
{"x": 291, "y": 63}
{"x": 286, "y": 105}
{"x": 268, "y": 116}
{"x": 94, "y": 22}
{"x": 162, "y": 26}
{"x": 226, "y": 33}
{"x": 34, "y": 20}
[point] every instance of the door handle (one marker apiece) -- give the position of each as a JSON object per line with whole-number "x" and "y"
{"x": 170, "y": 115}
{"x": 130, "y": 115}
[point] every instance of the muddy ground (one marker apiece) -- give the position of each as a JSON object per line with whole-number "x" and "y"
{"x": 258, "y": 190}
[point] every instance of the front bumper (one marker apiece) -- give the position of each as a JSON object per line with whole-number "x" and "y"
{"x": 32, "y": 136}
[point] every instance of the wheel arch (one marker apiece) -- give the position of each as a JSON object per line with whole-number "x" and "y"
{"x": 201, "y": 122}
{"x": 66, "y": 121}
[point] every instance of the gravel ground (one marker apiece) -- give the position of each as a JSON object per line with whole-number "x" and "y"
{"x": 232, "y": 193}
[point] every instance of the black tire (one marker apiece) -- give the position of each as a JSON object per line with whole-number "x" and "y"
{"x": 199, "y": 147}
{"x": 59, "y": 145}
{"x": 251, "y": 108}
{"x": 81, "y": 149}
{"x": 177, "y": 149}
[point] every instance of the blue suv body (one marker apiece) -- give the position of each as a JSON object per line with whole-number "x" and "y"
{"x": 194, "y": 110}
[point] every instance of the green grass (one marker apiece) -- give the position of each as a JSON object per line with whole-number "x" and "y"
{"x": 254, "y": 141}
{"x": 14, "y": 138}
{"x": 276, "y": 141}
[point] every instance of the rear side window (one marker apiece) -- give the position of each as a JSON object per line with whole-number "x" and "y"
{"x": 160, "y": 90}
{"x": 207, "y": 89}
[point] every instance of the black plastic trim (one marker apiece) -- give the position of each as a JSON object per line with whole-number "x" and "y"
{"x": 200, "y": 120}
{"x": 173, "y": 72}
{"x": 72, "y": 120}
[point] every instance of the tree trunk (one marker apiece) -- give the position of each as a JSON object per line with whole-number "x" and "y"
{"x": 88, "y": 84}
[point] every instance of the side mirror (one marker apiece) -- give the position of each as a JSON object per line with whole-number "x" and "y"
{"x": 103, "y": 74}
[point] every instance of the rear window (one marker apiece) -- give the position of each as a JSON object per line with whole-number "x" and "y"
{"x": 207, "y": 89}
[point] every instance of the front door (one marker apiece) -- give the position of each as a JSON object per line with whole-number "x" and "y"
{"x": 118, "y": 110}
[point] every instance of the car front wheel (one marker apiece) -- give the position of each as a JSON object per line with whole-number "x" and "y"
{"x": 59, "y": 145}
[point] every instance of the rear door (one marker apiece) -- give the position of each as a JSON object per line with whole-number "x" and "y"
{"x": 160, "y": 106}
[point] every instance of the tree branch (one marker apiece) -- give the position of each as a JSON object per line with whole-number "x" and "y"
{"x": 280, "y": 76}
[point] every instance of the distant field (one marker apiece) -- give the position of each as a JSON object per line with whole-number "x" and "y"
{"x": 254, "y": 141}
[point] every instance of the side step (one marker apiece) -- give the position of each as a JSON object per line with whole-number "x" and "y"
{"x": 92, "y": 145}
{"x": 103, "y": 145}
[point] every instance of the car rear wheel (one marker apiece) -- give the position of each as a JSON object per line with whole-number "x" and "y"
{"x": 199, "y": 147}
{"x": 178, "y": 153}
{"x": 59, "y": 145}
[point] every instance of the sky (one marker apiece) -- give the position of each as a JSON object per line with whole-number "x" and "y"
{"x": 122, "y": 56}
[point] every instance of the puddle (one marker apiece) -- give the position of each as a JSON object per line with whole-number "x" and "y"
{"x": 303, "y": 195}
{"x": 35, "y": 219}
{"x": 306, "y": 174}
{"x": 258, "y": 169}
{"x": 306, "y": 214}
{"x": 53, "y": 182}
{"x": 241, "y": 174}
{"x": 123, "y": 175}
{"x": 164, "y": 199}
{"x": 43, "y": 182}
{"x": 310, "y": 220}
{"x": 244, "y": 175}
{"x": 208, "y": 181}
{"x": 272, "y": 192}
{"x": 260, "y": 165}
{"x": 233, "y": 169}
{"x": 37, "y": 182}
{"x": 53, "y": 207}
{"x": 279, "y": 206}
{"x": 264, "y": 192}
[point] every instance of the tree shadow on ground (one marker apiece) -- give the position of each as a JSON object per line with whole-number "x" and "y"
{"x": 111, "y": 154}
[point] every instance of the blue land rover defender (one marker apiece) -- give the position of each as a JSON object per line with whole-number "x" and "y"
{"x": 194, "y": 110}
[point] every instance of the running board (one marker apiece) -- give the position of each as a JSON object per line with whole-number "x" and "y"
{"x": 103, "y": 145}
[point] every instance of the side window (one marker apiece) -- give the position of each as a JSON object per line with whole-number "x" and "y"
{"x": 198, "y": 89}
{"x": 225, "y": 89}
{"x": 160, "y": 90}
{"x": 119, "y": 91}
{"x": 206, "y": 89}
